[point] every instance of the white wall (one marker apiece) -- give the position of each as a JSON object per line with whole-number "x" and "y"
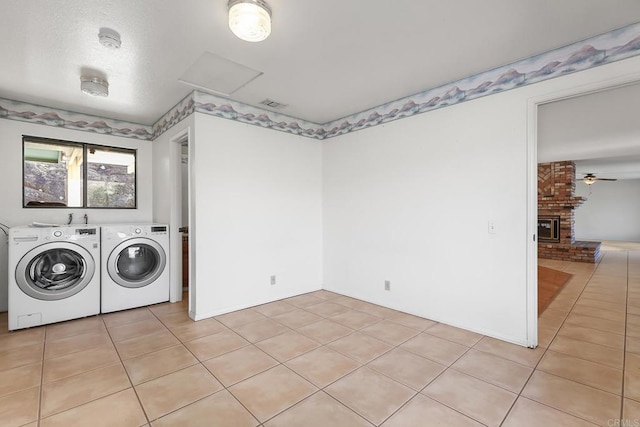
{"x": 257, "y": 212}
{"x": 11, "y": 211}
{"x": 611, "y": 212}
{"x": 410, "y": 202}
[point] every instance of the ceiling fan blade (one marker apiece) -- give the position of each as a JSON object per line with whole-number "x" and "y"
{"x": 606, "y": 179}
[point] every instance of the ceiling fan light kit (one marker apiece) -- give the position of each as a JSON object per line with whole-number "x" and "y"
{"x": 590, "y": 178}
{"x": 250, "y": 20}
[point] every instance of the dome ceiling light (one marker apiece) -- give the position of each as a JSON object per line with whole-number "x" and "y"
{"x": 250, "y": 20}
{"x": 94, "y": 86}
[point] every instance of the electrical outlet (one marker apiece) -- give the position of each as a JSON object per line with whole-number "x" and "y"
{"x": 387, "y": 285}
{"x": 273, "y": 280}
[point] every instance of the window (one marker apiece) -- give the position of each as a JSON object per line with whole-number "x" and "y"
{"x": 111, "y": 178}
{"x": 77, "y": 175}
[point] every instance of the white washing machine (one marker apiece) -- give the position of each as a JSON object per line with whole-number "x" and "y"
{"x": 135, "y": 265}
{"x": 53, "y": 274}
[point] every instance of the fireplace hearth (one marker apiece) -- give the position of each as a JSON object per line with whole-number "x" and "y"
{"x": 556, "y": 204}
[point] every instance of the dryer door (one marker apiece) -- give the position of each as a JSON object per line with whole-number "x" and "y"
{"x": 55, "y": 271}
{"x": 136, "y": 262}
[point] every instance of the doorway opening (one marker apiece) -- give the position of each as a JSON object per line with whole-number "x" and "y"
{"x": 183, "y": 285}
{"x": 532, "y": 187}
{"x": 184, "y": 228}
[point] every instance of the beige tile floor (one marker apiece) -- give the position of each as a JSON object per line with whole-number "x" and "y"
{"x": 323, "y": 359}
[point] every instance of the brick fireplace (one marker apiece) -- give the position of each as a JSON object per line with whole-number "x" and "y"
{"x": 556, "y": 205}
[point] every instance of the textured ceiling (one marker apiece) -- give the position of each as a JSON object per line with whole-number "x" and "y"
{"x": 325, "y": 59}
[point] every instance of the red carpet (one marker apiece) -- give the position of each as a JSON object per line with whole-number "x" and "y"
{"x": 550, "y": 283}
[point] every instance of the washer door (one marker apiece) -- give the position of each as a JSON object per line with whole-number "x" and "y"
{"x": 55, "y": 271}
{"x": 136, "y": 262}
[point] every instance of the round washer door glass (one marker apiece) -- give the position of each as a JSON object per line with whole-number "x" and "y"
{"x": 136, "y": 263}
{"x": 56, "y": 273}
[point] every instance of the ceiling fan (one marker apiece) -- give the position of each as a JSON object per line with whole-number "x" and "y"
{"x": 590, "y": 178}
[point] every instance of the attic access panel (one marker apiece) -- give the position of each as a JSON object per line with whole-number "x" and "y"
{"x": 213, "y": 73}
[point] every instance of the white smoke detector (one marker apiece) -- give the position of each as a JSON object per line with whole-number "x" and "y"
{"x": 109, "y": 38}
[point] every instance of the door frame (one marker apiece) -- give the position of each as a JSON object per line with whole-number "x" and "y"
{"x": 532, "y": 184}
{"x": 175, "y": 216}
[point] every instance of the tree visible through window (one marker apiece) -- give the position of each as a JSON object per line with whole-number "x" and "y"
{"x": 57, "y": 175}
{"x": 111, "y": 178}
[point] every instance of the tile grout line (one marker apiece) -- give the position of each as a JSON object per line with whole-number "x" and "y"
{"x": 357, "y": 414}
{"x": 125, "y": 369}
{"x": 393, "y": 347}
{"x": 44, "y": 348}
{"x": 279, "y": 364}
{"x": 590, "y": 342}
{"x": 602, "y": 318}
{"x": 506, "y": 415}
{"x": 199, "y": 362}
{"x": 361, "y": 365}
{"x": 622, "y": 396}
{"x": 293, "y": 371}
{"x": 81, "y": 373}
{"x": 224, "y": 387}
{"x": 535, "y": 368}
{"x": 624, "y": 344}
{"x": 588, "y": 279}
{"x": 431, "y": 382}
{"x": 588, "y": 360}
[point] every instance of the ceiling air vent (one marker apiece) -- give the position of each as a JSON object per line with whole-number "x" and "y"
{"x": 273, "y": 104}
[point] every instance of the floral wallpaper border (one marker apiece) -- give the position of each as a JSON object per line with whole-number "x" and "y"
{"x": 599, "y": 50}
{"x": 227, "y": 109}
{"x": 174, "y": 116}
{"x": 21, "y": 111}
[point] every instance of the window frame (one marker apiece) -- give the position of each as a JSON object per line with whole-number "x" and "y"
{"x": 86, "y": 146}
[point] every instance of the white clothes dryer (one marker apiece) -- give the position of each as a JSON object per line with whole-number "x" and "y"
{"x": 135, "y": 265}
{"x": 53, "y": 274}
